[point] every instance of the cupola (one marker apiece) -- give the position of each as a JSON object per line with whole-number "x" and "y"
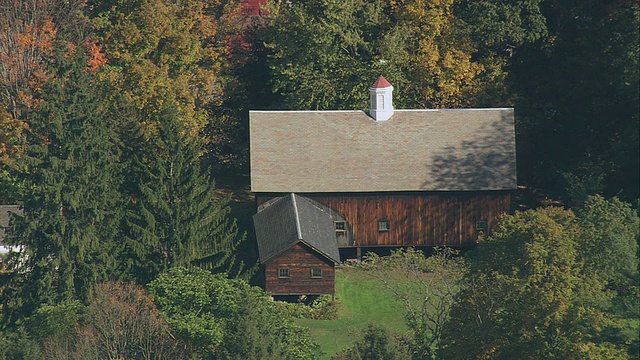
{"x": 380, "y": 93}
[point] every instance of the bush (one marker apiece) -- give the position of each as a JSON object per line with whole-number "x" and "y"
{"x": 376, "y": 344}
{"x": 322, "y": 308}
{"x": 224, "y": 318}
{"x": 120, "y": 322}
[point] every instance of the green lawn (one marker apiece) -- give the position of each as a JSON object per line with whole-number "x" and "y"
{"x": 365, "y": 300}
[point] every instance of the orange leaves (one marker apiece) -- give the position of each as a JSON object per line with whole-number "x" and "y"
{"x": 96, "y": 58}
{"x": 39, "y": 36}
{"x": 27, "y": 37}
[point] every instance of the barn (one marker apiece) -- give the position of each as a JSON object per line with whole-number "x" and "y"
{"x": 389, "y": 177}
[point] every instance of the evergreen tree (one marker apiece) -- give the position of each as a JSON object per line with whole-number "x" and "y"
{"x": 70, "y": 199}
{"x": 176, "y": 218}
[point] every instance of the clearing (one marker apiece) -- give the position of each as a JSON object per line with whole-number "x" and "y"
{"x": 364, "y": 300}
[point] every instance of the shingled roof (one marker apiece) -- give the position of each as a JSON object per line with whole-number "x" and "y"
{"x": 415, "y": 150}
{"x": 292, "y": 219}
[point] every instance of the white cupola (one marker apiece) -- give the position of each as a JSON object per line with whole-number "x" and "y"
{"x": 380, "y": 92}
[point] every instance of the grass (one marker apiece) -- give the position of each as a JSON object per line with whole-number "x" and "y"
{"x": 365, "y": 300}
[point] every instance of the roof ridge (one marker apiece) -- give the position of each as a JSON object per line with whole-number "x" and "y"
{"x": 297, "y": 215}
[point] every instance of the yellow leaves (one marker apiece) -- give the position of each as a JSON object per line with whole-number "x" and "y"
{"x": 440, "y": 56}
{"x": 160, "y": 50}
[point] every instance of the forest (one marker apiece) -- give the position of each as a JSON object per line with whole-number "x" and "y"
{"x": 121, "y": 120}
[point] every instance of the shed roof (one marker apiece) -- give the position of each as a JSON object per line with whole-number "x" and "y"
{"x": 292, "y": 219}
{"x": 415, "y": 150}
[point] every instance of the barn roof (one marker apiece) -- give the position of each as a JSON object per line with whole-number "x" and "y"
{"x": 292, "y": 219}
{"x": 415, "y": 150}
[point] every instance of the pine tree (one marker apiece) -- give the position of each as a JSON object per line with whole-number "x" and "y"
{"x": 70, "y": 201}
{"x": 176, "y": 219}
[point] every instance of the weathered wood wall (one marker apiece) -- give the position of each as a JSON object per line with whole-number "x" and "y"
{"x": 299, "y": 259}
{"x": 415, "y": 219}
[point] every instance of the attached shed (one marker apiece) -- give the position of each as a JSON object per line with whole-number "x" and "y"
{"x": 297, "y": 246}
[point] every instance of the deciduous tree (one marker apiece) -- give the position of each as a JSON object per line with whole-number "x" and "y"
{"x": 529, "y": 295}
{"x": 159, "y": 50}
{"x": 376, "y": 344}
{"x": 426, "y": 287}
{"x": 578, "y": 109}
{"x": 325, "y": 53}
{"x": 228, "y": 319}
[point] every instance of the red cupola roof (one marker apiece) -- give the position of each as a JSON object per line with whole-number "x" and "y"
{"x": 380, "y": 83}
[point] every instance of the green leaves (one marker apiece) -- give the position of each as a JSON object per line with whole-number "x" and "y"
{"x": 70, "y": 202}
{"x": 227, "y": 319}
{"x": 321, "y": 52}
{"x": 324, "y": 54}
{"x": 161, "y": 50}
{"x": 538, "y": 287}
{"x": 176, "y": 218}
{"x": 426, "y": 287}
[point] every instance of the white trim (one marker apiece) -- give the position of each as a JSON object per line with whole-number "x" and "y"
{"x": 361, "y": 111}
{"x": 453, "y": 109}
{"x": 305, "y": 111}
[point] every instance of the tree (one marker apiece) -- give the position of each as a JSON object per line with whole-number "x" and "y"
{"x": 228, "y": 319}
{"x": 610, "y": 230}
{"x": 323, "y": 54}
{"x": 609, "y": 251}
{"x": 501, "y": 27}
{"x": 159, "y": 50}
{"x": 429, "y": 294}
{"x": 120, "y": 322}
{"x": 437, "y": 61}
{"x": 176, "y": 217}
{"x": 28, "y": 32}
{"x": 71, "y": 194}
{"x": 529, "y": 295}
{"x": 11, "y": 132}
{"x": 578, "y": 113}
{"x": 375, "y": 344}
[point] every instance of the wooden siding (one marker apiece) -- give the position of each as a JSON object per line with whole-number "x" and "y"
{"x": 415, "y": 219}
{"x": 299, "y": 259}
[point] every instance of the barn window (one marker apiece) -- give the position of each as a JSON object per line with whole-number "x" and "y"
{"x": 481, "y": 225}
{"x": 341, "y": 227}
{"x": 283, "y": 273}
{"x": 316, "y": 272}
{"x": 383, "y": 225}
